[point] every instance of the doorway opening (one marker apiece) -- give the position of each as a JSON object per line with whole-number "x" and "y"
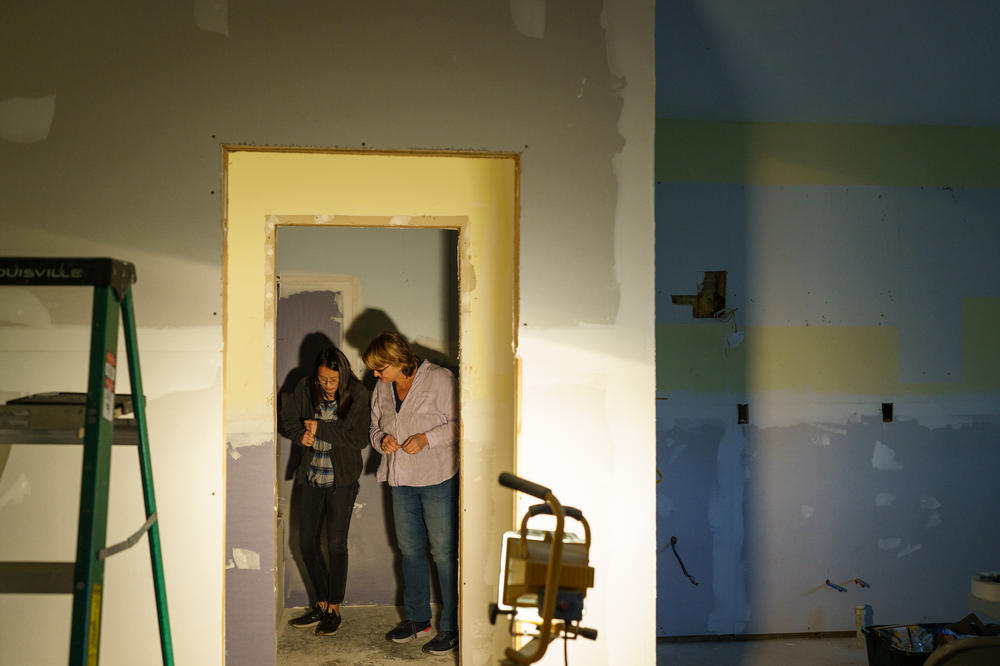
{"x": 399, "y": 279}
{"x": 473, "y": 194}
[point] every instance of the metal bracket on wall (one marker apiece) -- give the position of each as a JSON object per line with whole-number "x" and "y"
{"x": 711, "y": 296}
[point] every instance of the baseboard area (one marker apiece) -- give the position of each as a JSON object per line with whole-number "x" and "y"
{"x": 754, "y": 637}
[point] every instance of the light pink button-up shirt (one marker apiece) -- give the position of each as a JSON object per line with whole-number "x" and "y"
{"x": 430, "y": 407}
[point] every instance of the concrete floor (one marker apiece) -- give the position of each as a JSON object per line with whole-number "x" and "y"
{"x": 360, "y": 641}
{"x": 775, "y": 652}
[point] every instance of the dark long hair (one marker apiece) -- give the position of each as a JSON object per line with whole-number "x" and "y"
{"x": 334, "y": 359}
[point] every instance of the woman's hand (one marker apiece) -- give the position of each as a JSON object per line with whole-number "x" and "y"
{"x": 389, "y": 444}
{"x": 309, "y": 436}
{"x": 414, "y": 444}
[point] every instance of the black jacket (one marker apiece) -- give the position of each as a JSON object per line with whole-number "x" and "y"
{"x": 348, "y": 434}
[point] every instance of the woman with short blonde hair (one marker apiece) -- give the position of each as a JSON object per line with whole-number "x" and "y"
{"x": 390, "y": 349}
{"x": 414, "y": 425}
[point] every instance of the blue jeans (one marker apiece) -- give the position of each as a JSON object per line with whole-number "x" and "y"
{"x": 423, "y": 515}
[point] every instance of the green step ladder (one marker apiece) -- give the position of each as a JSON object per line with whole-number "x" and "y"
{"x": 112, "y": 280}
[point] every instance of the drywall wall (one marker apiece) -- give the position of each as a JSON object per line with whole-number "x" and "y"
{"x": 131, "y": 166}
{"x": 855, "y": 282}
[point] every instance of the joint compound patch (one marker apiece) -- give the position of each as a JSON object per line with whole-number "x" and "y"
{"x": 212, "y": 16}
{"x": 664, "y": 507}
{"x": 929, "y": 503}
{"x": 26, "y": 120}
{"x": 884, "y": 499}
{"x": 244, "y": 558}
{"x": 20, "y": 489}
{"x": 884, "y": 458}
{"x": 821, "y": 440}
{"x": 529, "y": 17}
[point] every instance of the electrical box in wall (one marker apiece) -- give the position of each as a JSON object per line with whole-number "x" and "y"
{"x": 711, "y": 296}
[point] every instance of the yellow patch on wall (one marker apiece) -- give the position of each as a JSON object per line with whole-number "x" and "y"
{"x": 980, "y": 350}
{"x": 830, "y": 359}
{"x": 834, "y": 359}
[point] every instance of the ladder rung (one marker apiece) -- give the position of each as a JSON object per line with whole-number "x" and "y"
{"x": 36, "y": 577}
{"x": 122, "y": 435}
{"x": 58, "y": 418}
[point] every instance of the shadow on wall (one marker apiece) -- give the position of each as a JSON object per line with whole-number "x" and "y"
{"x": 369, "y": 325}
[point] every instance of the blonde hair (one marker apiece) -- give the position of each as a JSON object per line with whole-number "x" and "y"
{"x": 390, "y": 349}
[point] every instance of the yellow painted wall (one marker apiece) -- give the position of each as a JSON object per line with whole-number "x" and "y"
{"x": 825, "y": 153}
{"x": 390, "y": 187}
{"x": 833, "y": 359}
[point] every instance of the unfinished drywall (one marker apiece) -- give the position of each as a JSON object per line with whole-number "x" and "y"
{"x": 131, "y": 167}
{"x": 848, "y": 293}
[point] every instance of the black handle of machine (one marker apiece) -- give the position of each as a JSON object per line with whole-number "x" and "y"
{"x": 495, "y": 611}
{"x": 539, "y": 509}
{"x": 517, "y": 483}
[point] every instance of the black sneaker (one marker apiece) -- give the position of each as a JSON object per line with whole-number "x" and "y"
{"x": 443, "y": 643}
{"x": 329, "y": 623}
{"x": 406, "y": 631}
{"x": 310, "y": 619}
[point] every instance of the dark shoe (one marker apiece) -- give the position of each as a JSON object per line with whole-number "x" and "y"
{"x": 329, "y": 623}
{"x": 443, "y": 643}
{"x": 310, "y": 619}
{"x": 406, "y": 631}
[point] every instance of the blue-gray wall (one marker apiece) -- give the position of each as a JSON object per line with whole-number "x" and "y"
{"x": 860, "y": 260}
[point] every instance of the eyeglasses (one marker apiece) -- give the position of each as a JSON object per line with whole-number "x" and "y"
{"x": 382, "y": 370}
{"x": 328, "y": 381}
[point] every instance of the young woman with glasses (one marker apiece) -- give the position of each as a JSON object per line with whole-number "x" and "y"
{"x": 327, "y": 414}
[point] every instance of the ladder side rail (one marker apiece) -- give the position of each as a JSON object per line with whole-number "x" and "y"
{"x": 88, "y": 573}
{"x": 146, "y": 470}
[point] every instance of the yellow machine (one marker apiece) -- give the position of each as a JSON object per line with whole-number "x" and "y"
{"x": 548, "y": 572}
